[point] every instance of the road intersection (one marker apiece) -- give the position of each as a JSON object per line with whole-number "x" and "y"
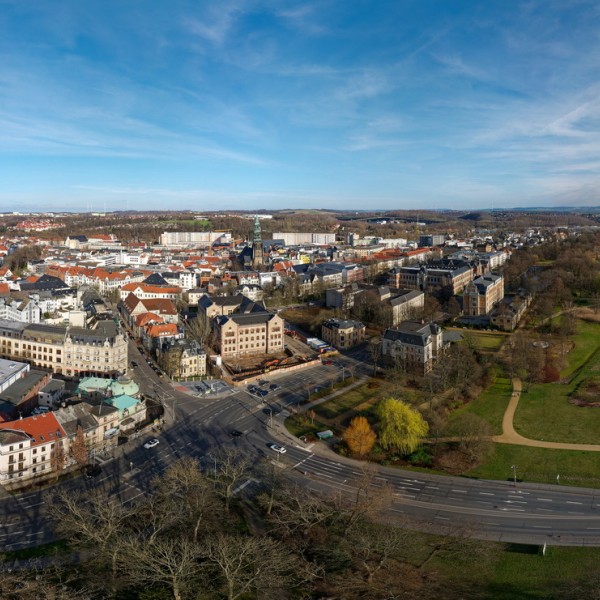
{"x": 196, "y": 427}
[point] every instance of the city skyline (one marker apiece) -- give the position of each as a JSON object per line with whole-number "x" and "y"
{"x": 248, "y": 105}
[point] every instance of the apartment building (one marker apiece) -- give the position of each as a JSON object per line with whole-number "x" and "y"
{"x": 414, "y": 345}
{"x": 297, "y": 239}
{"x": 183, "y": 358}
{"x": 482, "y": 294}
{"x": 27, "y": 446}
{"x": 66, "y": 350}
{"x": 343, "y": 333}
{"x": 252, "y": 333}
{"x": 145, "y": 291}
{"x": 433, "y": 277}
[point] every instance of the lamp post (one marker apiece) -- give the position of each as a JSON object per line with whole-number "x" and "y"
{"x": 514, "y": 469}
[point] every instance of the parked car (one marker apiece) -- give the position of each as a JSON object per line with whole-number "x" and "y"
{"x": 273, "y": 387}
{"x": 133, "y": 363}
{"x": 151, "y": 443}
{"x": 236, "y": 433}
{"x": 327, "y": 362}
{"x": 262, "y": 382}
{"x": 262, "y": 393}
{"x": 278, "y": 448}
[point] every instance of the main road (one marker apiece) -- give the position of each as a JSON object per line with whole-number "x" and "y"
{"x": 529, "y": 513}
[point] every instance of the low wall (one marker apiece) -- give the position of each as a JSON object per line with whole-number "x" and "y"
{"x": 255, "y": 378}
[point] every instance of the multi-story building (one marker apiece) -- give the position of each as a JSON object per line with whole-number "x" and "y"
{"x": 193, "y": 238}
{"x": 66, "y": 350}
{"x": 413, "y": 345}
{"x": 433, "y": 277}
{"x": 10, "y": 372}
{"x": 343, "y": 333}
{"x": 145, "y": 292}
{"x": 28, "y": 445}
{"x": 183, "y": 359}
{"x": 242, "y": 334}
{"x": 297, "y": 239}
{"x": 482, "y": 294}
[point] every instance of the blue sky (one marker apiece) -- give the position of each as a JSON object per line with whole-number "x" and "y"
{"x": 326, "y": 104}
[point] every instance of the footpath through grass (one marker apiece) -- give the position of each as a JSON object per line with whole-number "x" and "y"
{"x": 544, "y": 411}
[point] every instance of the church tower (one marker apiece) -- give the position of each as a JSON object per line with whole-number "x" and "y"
{"x": 257, "y": 246}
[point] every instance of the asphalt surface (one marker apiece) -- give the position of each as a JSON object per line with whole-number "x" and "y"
{"x": 196, "y": 427}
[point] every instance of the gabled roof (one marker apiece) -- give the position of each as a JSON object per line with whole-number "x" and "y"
{"x": 144, "y": 318}
{"x": 161, "y": 330}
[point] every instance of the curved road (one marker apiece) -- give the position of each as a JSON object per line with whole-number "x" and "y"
{"x": 528, "y": 513}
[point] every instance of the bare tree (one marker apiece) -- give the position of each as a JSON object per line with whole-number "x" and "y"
{"x": 91, "y": 520}
{"x": 196, "y": 504}
{"x": 233, "y": 468}
{"x": 79, "y": 450}
{"x": 253, "y": 565}
{"x": 168, "y": 561}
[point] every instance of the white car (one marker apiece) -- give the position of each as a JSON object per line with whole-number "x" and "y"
{"x": 152, "y": 443}
{"x": 278, "y": 448}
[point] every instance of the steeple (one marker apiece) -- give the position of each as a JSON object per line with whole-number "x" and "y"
{"x": 257, "y": 246}
{"x": 257, "y": 232}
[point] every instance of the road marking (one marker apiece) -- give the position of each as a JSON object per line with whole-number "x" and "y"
{"x": 442, "y": 518}
{"x": 459, "y": 491}
{"x": 397, "y": 510}
{"x": 486, "y": 494}
{"x": 546, "y": 509}
{"x": 572, "y": 502}
{"x": 544, "y": 499}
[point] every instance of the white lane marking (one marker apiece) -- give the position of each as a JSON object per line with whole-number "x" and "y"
{"x": 442, "y": 518}
{"x": 572, "y": 502}
{"x": 302, "y": 461}
{"x": 486, "y": 494}
{"x": 459, "y": 491}
{"x": 544, "y": 499}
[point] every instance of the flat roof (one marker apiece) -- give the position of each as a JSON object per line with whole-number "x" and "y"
{"x": 9, "y": 367}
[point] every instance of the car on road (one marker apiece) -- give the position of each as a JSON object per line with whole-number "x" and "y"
{"x": 278, "y": 448}
{"x": 236, "y": 433}
{"x": 327, "y": 362}
{"x": 263, "y": 382}
{"x": 252, "y": 389}
{"x": 133, "y": 363}
{"x": 93, "y": 471}
{"x": 273, "y": 387}
{"x": 262, "y": 393}
{"x": 151, "y": 443}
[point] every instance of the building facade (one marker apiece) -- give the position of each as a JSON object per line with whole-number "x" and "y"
{"x": 482, "y": 294}
{"x": 343, "y": 333}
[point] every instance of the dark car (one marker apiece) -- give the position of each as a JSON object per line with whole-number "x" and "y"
{"x": 93, "y": 471}
{"x": 236, "y": 433}
{"x": 133, "y": 363}
{"x": 273, "y": 387}
{"x": 262, "y": 382}
{"x": 262, "y": 393}
{"x": 252, "y": 389}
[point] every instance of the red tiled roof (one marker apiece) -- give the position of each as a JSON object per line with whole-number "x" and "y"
{"x": 41, "y": 428}
{"x": 144, "y": 318}
{"x": 161, "y": 329}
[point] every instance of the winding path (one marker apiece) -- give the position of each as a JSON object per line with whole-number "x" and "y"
{"x": 510, "y": 436}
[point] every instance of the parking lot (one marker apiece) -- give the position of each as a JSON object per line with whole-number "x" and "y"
{"x": 200, "y": 389}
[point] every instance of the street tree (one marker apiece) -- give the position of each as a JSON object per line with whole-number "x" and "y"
{"x": 79, "y": 450}
{"x": 401, "y": 426}
{"x": 359, "y": 436}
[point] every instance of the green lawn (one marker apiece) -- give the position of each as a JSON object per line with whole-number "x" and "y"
{"x": 491, "y": 404}
{"x": 363, "y": 393}
{"x": 544, "y": 412}
{"x": 587, "y": 341}
{"x": 488, "y": 341}
{"x": 541, "y": 465}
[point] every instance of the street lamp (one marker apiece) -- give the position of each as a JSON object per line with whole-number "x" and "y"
{"x": 514, "y": 469}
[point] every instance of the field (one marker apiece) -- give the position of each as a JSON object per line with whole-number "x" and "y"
{"x": 544, "y": 412}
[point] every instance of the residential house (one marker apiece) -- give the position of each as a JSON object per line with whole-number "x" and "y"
{"x": 343, "y": 333}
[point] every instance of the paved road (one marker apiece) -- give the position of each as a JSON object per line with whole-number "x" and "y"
{"x": 489, "y": 509}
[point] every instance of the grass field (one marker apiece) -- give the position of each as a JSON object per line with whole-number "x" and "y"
{"x": 544, "y": 412}
{"x": 363, "y": 394}
{"x": 541, "y": 465}
{"x": 491, "y": 404}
